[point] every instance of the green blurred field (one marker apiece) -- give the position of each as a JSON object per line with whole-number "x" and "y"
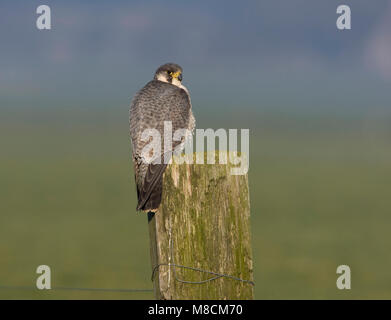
{"x": 320, "y": 197}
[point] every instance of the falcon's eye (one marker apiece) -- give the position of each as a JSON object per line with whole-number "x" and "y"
{"x": 169, "y": 72}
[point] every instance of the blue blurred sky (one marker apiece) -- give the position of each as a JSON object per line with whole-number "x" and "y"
{"x": 253, "y": 54}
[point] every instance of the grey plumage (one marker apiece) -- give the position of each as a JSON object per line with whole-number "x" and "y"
{"x": 159, "y": 101}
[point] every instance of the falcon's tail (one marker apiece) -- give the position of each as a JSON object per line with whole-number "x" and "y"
{"x": 150, "y": 194}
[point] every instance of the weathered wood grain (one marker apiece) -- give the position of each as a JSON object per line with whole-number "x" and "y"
{"x": 203, "y": 222}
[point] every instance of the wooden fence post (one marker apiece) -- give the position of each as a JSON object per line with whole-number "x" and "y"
{"x": 202, "y": 223}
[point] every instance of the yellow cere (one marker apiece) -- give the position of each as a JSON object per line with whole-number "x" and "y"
{"x": 176, "y": 74}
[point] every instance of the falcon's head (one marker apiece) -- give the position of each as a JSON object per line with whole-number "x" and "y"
{"x": 169, "y": 72}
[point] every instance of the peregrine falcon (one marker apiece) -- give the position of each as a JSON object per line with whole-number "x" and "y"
{"x": 160, "y": 100}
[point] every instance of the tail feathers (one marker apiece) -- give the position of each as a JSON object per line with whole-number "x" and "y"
{"x": 154, "y": 200}
{"x": 150, "y": 194}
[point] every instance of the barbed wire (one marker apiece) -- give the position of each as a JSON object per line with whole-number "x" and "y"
{"x": 216, "y": 274}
